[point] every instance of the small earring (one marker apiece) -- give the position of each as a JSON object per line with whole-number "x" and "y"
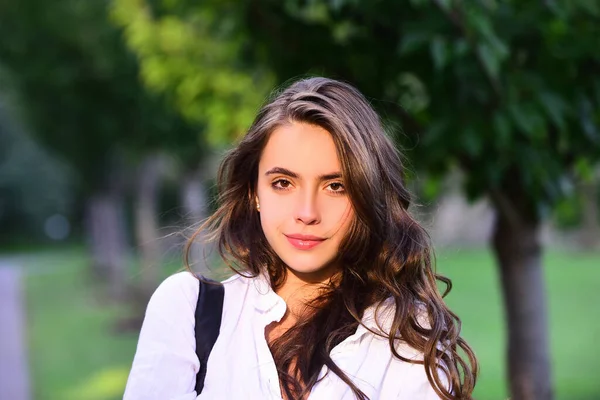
{"x": 257, "y": 205}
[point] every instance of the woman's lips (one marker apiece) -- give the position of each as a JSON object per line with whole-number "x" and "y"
{"x": 302, "y": 242}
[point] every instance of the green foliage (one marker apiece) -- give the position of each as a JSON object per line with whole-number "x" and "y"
{"x": 507, "y": 90}
{"x": 33, "y": 185}
{"x": 78, "y": 86}
{"x": 194, "y": 53}
{"x": 567, "y": 212}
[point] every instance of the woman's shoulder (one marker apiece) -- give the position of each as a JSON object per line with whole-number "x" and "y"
{"x": 381, "y": 314}
{"x": 176, "y": 291}
{"x": 378, "y": 320}
{"x": 234, "y": 280}
{"x": 179, "y": 280}
{"x": 177, "y": 296}
{"x": 184, "y": 286}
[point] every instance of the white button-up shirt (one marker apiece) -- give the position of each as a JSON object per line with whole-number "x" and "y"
{"x": 240, "y": 365}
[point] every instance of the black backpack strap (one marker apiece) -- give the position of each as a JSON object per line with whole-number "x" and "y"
{"x": 208, "y": 323}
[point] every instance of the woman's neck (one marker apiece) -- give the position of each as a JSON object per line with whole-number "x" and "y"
{"x": 298, "y": 290}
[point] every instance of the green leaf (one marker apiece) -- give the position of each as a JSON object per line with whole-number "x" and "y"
{"x": 490, "y": 60}
{"x": 432, "y": 188}
{"x": 596, "y": 90}
{"x": 337, "y": 5}
{"x": 413, "y": 41}
{"x": 555, "y": 108}
{"x": 414, "y": 97}
{"x": 584, "y": 169}
{"x": 344, "y": 31}
{"x": 471, "y": 140}
{"x": 499, "y": 47}
{"x": 502, "y": 129}
{"x": 419, "y": 3}
{"x": 528, "y": 120}
{"x": 461, "y": 47}
{"x": 446, "y": 5}
{"x": 587, "y": 119}
{"x": 436, "y": 131}
{"x": 439, "y": 52}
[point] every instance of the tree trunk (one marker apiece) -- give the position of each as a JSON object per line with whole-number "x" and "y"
{"x": 517, "y": 247}
{"x": 590, "y": 227}
{"x": 193, "y": 196}
{"x": 107, "y": 239}
{"x": 147, "y": 224}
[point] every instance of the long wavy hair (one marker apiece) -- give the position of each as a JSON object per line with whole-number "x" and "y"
{"x": 385, "y": 256}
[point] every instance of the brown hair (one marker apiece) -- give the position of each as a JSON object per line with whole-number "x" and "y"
{"x": 385, "y": 255}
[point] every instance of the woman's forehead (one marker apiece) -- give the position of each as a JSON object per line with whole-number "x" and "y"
{"x": 305, "y": 149}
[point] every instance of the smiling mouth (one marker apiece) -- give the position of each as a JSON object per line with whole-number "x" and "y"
{"x": 304, "y": 242}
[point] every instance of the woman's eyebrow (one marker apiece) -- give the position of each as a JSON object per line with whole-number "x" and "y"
{"x": 291, "y": 174}
{"x": 328, "y": 177}
{"x": 282, "y": 171}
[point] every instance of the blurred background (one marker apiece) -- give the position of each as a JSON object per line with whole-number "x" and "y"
{"x": 114, "y": 115}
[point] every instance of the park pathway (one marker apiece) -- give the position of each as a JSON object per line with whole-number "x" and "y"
{"x": 14, "y": 371}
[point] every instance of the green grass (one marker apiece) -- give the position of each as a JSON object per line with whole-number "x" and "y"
{"x": 76, "y": 353}
{"x": 74, "y": 350}
{"x": 573, "y": 299}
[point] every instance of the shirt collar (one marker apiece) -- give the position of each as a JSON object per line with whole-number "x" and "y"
{"x": 266, "y": 297}
{"x": 267, "y": 300}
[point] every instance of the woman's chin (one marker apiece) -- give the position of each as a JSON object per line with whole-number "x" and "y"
{"x": 312, "y": 273}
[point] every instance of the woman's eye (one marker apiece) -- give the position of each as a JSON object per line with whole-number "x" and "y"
{"x": 336, "y": 187}
{"x": 281, "y": 184}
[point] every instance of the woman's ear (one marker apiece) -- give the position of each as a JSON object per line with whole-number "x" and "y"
{"x": 252, "y": 198}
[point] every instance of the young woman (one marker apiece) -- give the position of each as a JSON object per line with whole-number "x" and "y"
{"x": 334, "y": 295}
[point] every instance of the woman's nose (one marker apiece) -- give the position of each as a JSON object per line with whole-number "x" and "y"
{"x": 307, "y": 210}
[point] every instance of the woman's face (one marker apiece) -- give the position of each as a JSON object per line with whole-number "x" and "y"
{"x": 305, "y": 211}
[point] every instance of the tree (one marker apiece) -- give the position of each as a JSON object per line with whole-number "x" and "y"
{"x": 78, "y": 84}
{"x": 590, "y": 206}
{"x": 196, "y": 56}
{"x": 67, "y": 98}
{"x": 33, "y": 185}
